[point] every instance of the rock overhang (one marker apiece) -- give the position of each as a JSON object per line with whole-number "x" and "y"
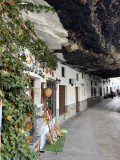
{"x": 93, "y": 35}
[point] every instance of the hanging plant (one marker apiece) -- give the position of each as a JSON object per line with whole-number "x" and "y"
{"x": 15, "y": 36}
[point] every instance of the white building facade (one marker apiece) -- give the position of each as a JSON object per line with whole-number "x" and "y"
{"x": 73, "y": 92}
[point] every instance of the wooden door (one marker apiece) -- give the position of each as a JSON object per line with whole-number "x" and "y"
{"x": 100, "y": 91}
{"x": 32, "y": 91}
{"x": 42, "y": 94}
{"x": 104, "y": 91}
{"x": 52, "y": 99}
{"x": 61, "y": 99}
{"x": 76, "y": 99}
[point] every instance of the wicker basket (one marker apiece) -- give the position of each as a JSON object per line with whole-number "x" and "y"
{"x": 47, "y": 92}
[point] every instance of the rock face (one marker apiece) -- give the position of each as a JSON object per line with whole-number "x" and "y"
{"x": 47, "y": 26}
{"x": 93, "y": 35}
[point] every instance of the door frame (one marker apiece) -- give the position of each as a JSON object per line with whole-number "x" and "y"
{"x": 64, "y": 99}
{"x": 76, "y": 98}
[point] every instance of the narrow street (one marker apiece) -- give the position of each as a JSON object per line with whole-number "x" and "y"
{"x": 92, "y": 135}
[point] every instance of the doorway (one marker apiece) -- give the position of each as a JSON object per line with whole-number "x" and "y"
{"x": 32, "y": 82}
{"x": 100, "y": 91}
{"x": 52, "y": 99}
{"x": 76, "y": 90}
{"x": 61, "y": 100}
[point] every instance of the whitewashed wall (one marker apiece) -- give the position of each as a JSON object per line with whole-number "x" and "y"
{"x": 83, "y": 84}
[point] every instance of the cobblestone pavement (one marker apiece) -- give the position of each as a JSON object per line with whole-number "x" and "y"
{"x": 93, "y": 134}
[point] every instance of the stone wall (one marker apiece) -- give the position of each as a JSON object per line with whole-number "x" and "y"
{"x": 70, "y": 111}
{"x": 82, "y": 105}
{"x": 93, "y": 100}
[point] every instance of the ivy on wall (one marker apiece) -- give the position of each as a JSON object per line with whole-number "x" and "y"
{"x": 15, "y": 36}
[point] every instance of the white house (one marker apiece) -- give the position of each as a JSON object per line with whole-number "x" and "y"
{"x": 73, "y": 92}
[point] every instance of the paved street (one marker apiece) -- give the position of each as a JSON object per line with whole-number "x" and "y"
{"x": 92, "y": 135}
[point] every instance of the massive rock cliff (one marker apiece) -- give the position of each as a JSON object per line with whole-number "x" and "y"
{"x": 93, "y": 37}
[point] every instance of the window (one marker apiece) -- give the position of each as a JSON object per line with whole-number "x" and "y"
{"x": 107, "y": 89}
{"x": 100, "y": 89}
{"x": 52, "y": 99}
{"x": 82, "y": 75}
{"x": 77, "y": 77}
{"x": 95, "y": 91}
{"x": 63, "y": 72}
{"x": 92, "y": 91}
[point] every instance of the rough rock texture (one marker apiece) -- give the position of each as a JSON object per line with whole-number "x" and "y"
{"x": 93, "y": 35}
{"x": 47, "y": 26}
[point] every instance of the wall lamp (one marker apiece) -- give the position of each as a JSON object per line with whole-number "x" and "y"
{"x": 72, "y": 81}
{"x": 58, "y": 80}
{"x": 43, "y": 64}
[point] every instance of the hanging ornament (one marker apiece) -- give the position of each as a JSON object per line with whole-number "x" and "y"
{"x": 47, "y": 92}
{"x": 46, "y": 70}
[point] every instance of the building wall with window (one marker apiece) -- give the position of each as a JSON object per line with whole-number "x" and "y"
{"x": 74, "y": 92}
{"x": 85, "y": 98}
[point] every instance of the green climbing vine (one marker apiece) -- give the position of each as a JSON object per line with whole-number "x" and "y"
{"x": 16, "y": 35}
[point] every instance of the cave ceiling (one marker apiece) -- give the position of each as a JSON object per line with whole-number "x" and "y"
{"x": 93, "y": 27}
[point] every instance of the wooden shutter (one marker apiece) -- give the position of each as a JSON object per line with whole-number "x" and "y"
{"x": 41, "y": 95}
{"x": 32, "y": 92}
{"x": 76, "y": 99}
{"x": 61, "y": 99}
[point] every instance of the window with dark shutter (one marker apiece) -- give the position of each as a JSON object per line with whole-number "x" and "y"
{"x": 77, "y": 77}
{"x": 82, "y": 75}
{"x": 63, "y": 72}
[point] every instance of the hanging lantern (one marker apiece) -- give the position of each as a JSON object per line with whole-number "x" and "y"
{"x": 47, "y": 92}
{"x": 43, "y": 64}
